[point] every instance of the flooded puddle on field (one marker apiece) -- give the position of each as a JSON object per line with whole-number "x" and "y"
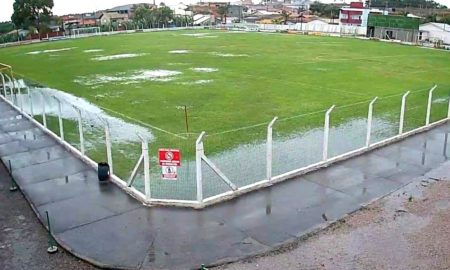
{"x": 243, "y": 164}
{"x": 50, "y": 51}
{"x": 179, "y": 51}
{"x": 205, "y": 69}
{"x": 196, "y": 34}
{"x": 159, "y": 75}
{"x": 228, "y": 54}
{"x": 93, "y": 50}
{"x": 121, "y": 131}
{"x": 246, "y": 164}
{"x": 196, "y": 82}
{"x": 117, "y": 56}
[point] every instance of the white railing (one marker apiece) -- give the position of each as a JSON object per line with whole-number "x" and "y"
{"x": 202, "y": 160}
{"x": 105, "y": 33}
{"x": 326, "y": 160}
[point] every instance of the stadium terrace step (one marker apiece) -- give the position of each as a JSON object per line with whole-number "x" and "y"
{"x": 102, "y": 224}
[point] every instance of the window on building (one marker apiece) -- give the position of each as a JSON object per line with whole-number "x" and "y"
{"x": 356, "y": 17}
{"x": 344, "y": 16}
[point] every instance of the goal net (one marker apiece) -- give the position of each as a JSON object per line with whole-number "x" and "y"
{"x": 85, "y": 32}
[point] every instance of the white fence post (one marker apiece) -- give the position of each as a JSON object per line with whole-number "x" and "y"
{"x": 10, "y": 90}
{"x": 146, "y": 157}
{"x": 269, "y": 152}
{"x": 402, "y": 113}
{"x": 369, "y": 121}
{"x": 199, "y": 152}
{"x": 80, "y": 129}
{"x": 44, "y": 117}
{"x": 448, "y": 110}
{"x": 30, "y": 101}
{"x": 326, "y": 131}
{"x": 20, "y": 99}
{"x": 108, "y": 148}
{"x": 3, "y": 84}
{"x": 61, "y": 126}
{"x": 146, "y": 169}
{"x": 430, "y": 99}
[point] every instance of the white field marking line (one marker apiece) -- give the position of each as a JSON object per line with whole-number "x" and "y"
{"x": 141, "y": 122}
{"x": 311, "y": 113}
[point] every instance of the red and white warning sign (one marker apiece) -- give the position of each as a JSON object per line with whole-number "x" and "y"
{"x": 169, "y": 159}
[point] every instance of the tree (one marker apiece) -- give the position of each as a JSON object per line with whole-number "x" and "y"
{"x": 324, "y": 10}
{"x": 285, "y": 16}
{"x": 35, "y": 13}
{"x": 223, "y": 11}
{"x": 148, "y": 17}
{"x": 165, "y": 15}
{"x": 6, "y": 27}
{"x": 143, "y": 16}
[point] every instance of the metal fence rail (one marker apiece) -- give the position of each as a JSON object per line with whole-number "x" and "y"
{"x": 280, "y": 149}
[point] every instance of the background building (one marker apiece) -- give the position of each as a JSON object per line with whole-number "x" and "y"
{"x": 357, "y": 15}
{"x": 393, "y": 27}
{"x": 435, "y": 32}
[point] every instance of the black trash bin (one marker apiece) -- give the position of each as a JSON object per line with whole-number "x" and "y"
{"x": 103, "y": 171}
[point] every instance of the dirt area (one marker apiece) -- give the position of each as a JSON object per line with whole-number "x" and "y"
{"x": 23, "y": 240}
{"x": 408, "y": 229}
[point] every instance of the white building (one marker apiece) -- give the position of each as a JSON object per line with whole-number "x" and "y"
{"x": 435, "y": 32}
{"x": 181, "y": 10}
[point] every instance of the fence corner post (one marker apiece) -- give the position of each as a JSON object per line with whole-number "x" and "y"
{"x": 269, "y": 148}
{"x": 369, "y": 121}
{"x": 108, "y": 148}
{"x": 80, "y": 128}
{"x": 20, "y": 99}
{"x": 3, "y": 85}
{"x": 199, "y": 152}
{"x": 30, "y": 102}
{"x": 402, "y": 113}
{"x": 44, "y": 117}
{"x": 430, "y": 99}
{"x": 448, "y": 109}
{"x": 326, "y": 131}
{"x": 61, "y": 126}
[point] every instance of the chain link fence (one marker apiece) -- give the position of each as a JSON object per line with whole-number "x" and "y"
{"x": 215, "y": 165}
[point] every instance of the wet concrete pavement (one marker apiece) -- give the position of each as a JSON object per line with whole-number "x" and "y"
{"x": 23, "y": 240}
{"x": 102, "y": 224}
{"x": 405, "y": 230}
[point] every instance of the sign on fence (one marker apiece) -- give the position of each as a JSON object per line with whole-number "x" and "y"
{"x": 169, "y": 159}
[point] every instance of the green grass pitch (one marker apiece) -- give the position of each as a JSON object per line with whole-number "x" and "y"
{"x": 244, "y": 79}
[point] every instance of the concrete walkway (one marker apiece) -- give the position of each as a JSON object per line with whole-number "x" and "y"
{"x": 104, "y": 225}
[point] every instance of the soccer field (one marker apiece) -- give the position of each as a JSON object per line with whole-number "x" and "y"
{"x": 227, "y": 80}
{"x": 233, "y": 84}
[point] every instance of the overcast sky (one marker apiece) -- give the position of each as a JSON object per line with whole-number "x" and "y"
{"x": 67, "y": 6}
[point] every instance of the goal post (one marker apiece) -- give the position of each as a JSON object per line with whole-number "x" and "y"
{"x": 84, "y": 32}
